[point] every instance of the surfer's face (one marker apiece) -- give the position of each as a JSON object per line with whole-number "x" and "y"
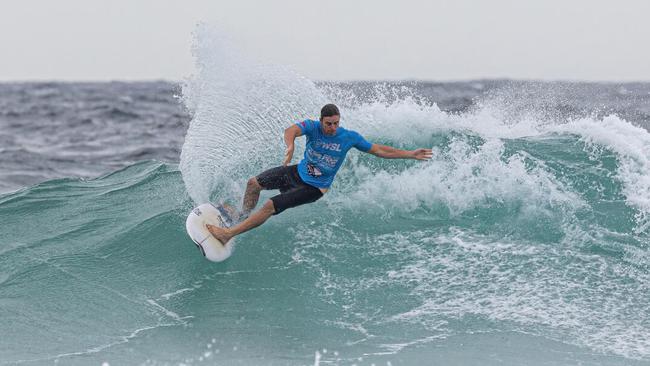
{"x": 330, "y": 124}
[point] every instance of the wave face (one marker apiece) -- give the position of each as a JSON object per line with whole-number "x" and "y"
{"x": 523, "y": 241}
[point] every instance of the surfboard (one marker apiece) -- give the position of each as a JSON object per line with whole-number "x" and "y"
{"x": 218, "y": 215}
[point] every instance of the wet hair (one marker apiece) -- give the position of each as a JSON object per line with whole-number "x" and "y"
{"x": 329, "y": 110}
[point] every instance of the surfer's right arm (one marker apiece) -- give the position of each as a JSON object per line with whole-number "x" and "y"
{"x": 290, "y": 135}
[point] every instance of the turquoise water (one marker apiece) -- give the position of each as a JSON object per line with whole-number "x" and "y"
{"x": 524, "y": 241}
{"x": 521, "y": 250}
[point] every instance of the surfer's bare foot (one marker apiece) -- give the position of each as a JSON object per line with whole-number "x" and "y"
{"x": 219, "y": 233}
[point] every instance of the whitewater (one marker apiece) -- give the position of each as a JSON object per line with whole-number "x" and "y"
{"x": 523, "y": 241}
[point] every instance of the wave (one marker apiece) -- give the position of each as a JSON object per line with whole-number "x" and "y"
{"x": 524, "y": 220}
{"x": 515, "y": 248}
{"x": 520, "y": 224}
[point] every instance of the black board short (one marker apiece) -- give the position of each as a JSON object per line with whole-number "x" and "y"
{"x": 293, "y": 191}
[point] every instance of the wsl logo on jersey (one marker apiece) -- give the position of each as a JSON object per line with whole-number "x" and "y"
{"x": 331, "y": 146}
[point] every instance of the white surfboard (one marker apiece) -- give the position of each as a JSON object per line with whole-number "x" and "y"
{"x": 217, "y": 215}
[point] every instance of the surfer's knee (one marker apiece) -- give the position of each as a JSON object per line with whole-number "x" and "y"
{"x": 254, "y": 184}
{"x": 269, "y": 207}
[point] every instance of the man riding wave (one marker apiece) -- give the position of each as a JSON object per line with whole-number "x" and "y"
{"x": 325, "y": 151}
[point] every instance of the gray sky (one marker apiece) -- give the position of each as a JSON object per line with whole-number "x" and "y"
{"x": 333, "y": 39}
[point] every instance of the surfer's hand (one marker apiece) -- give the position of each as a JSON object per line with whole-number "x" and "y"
{"x": 288, "y": 154}
{"x": 422, "y": 154}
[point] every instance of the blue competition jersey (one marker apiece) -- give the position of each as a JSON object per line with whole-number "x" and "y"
{"x": 325, "y": 154}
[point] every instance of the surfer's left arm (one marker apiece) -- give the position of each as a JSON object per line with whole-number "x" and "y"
{"x": 388, "y": 152}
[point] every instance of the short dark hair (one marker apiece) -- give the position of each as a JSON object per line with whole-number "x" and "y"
{"x": 329, "y": 110}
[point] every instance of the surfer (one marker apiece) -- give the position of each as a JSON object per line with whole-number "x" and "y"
{"x": 308, "y": 181}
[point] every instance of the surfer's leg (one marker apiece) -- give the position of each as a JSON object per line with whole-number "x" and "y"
{"x": 275, "y": 205}
{"x": 254, "y": 220}
{"x": 274, "y": 178}
{"x": 252, "y": 195}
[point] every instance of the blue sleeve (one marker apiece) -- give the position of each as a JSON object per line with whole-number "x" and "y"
{"x": 361, "y": 143}
{"x": 307, "y": 126}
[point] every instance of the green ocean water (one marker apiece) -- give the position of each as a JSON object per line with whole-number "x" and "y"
{"x": 498, "y": 251}
{"x": 523, "y": 241}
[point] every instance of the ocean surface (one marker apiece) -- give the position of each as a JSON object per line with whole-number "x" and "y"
{"x": 524, "y": 241}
